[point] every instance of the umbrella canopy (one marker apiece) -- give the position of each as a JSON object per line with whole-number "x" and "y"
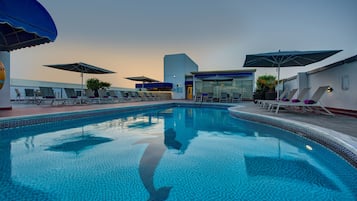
{"x": 24, "y": 23}
{"x": 141, "y": 79}
{"x": 287, "y": 59}
{"x": 81, "y": 68}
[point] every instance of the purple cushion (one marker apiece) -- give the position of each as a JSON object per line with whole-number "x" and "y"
{"x": 49, "y": 97}
{"x": 309, "y": 101}
{"x": 285, "y": 99}
{"x": 295, "y": 100}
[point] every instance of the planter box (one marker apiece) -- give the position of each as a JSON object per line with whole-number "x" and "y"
{"x": 270, "y": 95}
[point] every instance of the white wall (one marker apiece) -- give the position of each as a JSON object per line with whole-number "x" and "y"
{"x": 333, "y": 77}
{"x": 338, "y": 98}
{"x": 291, "y": 84}
{"x": 176, "y": 66}
{"x": 5, "y": 91}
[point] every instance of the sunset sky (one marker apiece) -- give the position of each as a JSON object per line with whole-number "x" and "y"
{"x": 131, "y": 37}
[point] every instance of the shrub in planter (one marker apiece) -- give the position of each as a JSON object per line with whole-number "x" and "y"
{"x": 95, "y": 84}
{"x": 265, "y": 87}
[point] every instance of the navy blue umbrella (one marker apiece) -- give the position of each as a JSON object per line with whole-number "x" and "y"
{"x": 287, "y": 59}
{"x": 24, "y": 23}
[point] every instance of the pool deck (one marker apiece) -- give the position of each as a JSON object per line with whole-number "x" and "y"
{"x": 339, "y": 130}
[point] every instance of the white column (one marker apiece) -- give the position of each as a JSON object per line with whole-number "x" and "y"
{"x": 5, "y": 102}
{"x": 193, "y": 87}
{"x": 302, "y": 81}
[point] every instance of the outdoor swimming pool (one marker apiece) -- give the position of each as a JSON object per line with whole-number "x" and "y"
{"x": 170, "y": 153}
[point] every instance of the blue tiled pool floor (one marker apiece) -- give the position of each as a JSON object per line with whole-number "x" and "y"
{"x": 167, "y": 155}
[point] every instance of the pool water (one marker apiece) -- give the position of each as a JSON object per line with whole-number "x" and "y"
{"x": 179, "y": 153}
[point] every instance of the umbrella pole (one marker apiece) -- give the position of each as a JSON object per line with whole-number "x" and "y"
{"x": 81, "y": 88}
{"x": 277, "y": 93}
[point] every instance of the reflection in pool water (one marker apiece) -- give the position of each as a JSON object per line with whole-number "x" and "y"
{"x": 151, "y": 159}
{"x": 168, "y": 154}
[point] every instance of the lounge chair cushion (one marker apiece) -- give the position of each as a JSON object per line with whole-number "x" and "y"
{"x": 295, "y": 100}
{"x": 307, "y": 101}
{"x": 285, "y": 99}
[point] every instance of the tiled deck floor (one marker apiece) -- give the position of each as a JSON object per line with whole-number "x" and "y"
{"x": 340, "y": 123}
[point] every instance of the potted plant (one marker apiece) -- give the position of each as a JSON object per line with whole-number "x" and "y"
{"x": 265, "y": 87}
{"x": 95, "y": 84}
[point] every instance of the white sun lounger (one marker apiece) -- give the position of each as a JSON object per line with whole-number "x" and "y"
{"x": 270, "y": 103}
{"x": 285, "y": 95}
{"x": 308, "y": 104}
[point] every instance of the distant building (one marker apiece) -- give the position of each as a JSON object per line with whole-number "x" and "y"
{"x": 226, "y": 82}
{"x": 176, "y": 67}
{"x": 182, "y": 72}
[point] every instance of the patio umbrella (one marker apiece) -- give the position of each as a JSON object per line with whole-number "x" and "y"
{"x": 81, "y": 68}
{"x": 24, "y": 23}
{"x": 142, "y": 79}
{"x": 286, "y": 59}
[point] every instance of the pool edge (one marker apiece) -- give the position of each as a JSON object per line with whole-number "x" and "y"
{"x": 340, "y": 143}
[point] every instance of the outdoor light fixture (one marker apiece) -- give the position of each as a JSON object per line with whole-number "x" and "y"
{"x": 329, "y": 89}
{"x": 308, "y": 147}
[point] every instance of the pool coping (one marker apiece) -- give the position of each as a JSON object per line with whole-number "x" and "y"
{"x": 27, "y": 120}
{"x": 340, "y": 143}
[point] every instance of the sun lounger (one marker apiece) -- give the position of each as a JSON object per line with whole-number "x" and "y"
{"x": 134, "y": 96}
{"x": 125, "y": 95}
{"x": 224, "y": 97}
{"x": 198, "y": 97}
{"x": 236, "y": 97}
{"x": 115, "y": 95}
{"x": 49, "y": 96}
{"x": 30, "y": 95}
{"x": 154, "y": 96}
{"x": 264, "y": 103}
{"x": 208, "y": 98}
{"x": 71, "y": 95}
{"x": 142, "y": 96}
{"x": 147, "y": 96}
{"x": 104, "y": 96}
{"x": 90, "y": 97}
{"x": 284, "y": 97}
{"x": 18, "y": 95}
{"x": 299, "y": 98}
{"x": 308, "y": 104}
